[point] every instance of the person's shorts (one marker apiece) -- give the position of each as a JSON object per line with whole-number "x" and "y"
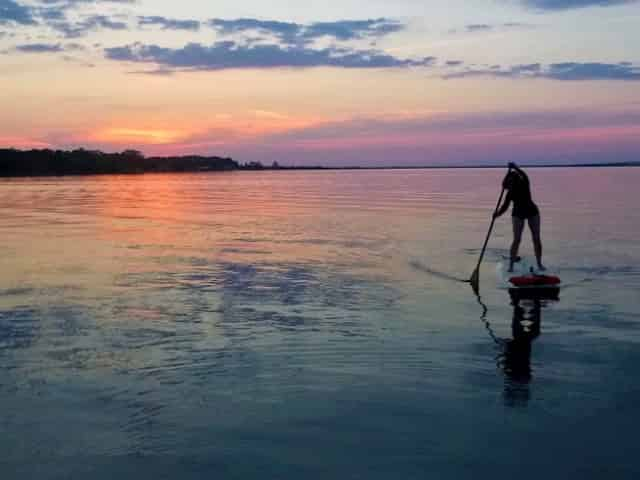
{"x": 526, "y": 212}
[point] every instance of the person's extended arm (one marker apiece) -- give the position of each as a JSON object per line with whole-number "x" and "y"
{"x": 504, "y": 207}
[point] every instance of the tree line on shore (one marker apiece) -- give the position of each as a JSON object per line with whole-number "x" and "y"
{"x": 47, "y": 162}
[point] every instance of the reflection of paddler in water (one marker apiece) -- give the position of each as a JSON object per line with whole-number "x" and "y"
{"x": 515, "y": 359}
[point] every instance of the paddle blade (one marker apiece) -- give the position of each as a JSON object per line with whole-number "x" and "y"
{"x": 475, "y": 280}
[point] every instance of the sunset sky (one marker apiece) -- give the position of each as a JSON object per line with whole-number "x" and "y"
{"x": 350, "y": 82}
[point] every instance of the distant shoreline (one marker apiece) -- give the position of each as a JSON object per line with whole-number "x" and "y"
{"x": 463, "y": 167}
{"x": 58, "y": 163}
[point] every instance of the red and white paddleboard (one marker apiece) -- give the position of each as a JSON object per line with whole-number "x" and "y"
{"x": 524, "y": 275}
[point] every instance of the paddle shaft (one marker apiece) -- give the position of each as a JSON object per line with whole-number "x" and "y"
{"x": 493, "y": 221}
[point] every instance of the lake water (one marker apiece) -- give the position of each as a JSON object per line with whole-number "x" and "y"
{"x": 305, "y": 325}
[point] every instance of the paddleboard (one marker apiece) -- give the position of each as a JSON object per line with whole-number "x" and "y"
{"x": 526, "y": 276}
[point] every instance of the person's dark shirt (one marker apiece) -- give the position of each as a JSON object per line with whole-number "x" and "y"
{"x": 520, "y": 195}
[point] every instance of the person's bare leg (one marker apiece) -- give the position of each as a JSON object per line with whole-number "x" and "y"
{"x": 518, "y": 226}
{"x": 534, "y": 225}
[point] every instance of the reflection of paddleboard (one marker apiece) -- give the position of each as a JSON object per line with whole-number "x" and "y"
{"x": 537, "y": 293}
{"x": 525, "y": 276}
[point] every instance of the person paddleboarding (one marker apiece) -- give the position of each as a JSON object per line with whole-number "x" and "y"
{"x": 518, "y": 188}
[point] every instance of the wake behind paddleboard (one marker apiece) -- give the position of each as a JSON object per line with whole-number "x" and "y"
{"x": 525, "y": 276}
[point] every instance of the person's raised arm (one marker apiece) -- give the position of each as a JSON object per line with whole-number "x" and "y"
{"x": 504, "y": 207}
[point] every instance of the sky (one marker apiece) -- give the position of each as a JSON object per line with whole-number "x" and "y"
{"x": 334, "y": 83}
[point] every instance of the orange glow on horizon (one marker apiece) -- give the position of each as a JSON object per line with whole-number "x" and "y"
{"x": 22, "y": 143}
{"x": 126, "y": 135}
{"x": 223, "y": 130}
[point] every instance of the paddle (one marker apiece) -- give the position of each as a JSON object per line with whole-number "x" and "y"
{"x": 475, "y": 276}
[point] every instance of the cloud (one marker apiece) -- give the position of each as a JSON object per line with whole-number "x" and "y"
{"x": 169, "y": 23}
{"x": 65, "y": 4}
{"x": 230, "y": 55}
{"x": 285, "y": 31}
{"x": 78, "y": 29}
{"x": 478, "y": 27}
{"x": 39, "y": 48}
{"x": 352, "y": 29}
{"x": 47, "y": 47}
{"x": 295, "y": 33}
{"x": 519, "y": 25}
{"x": 593, "y": 71}
{"x": 52, "y": 13}
{"x": 14, "y": 13}
{"x": 489, "y": 27}
{"x": 56, "y": 9}
{"x": 566, "y": 71}
{"x": 572, "y": 4}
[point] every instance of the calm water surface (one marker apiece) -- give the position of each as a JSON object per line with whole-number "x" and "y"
{"x": 305, "y": 325}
